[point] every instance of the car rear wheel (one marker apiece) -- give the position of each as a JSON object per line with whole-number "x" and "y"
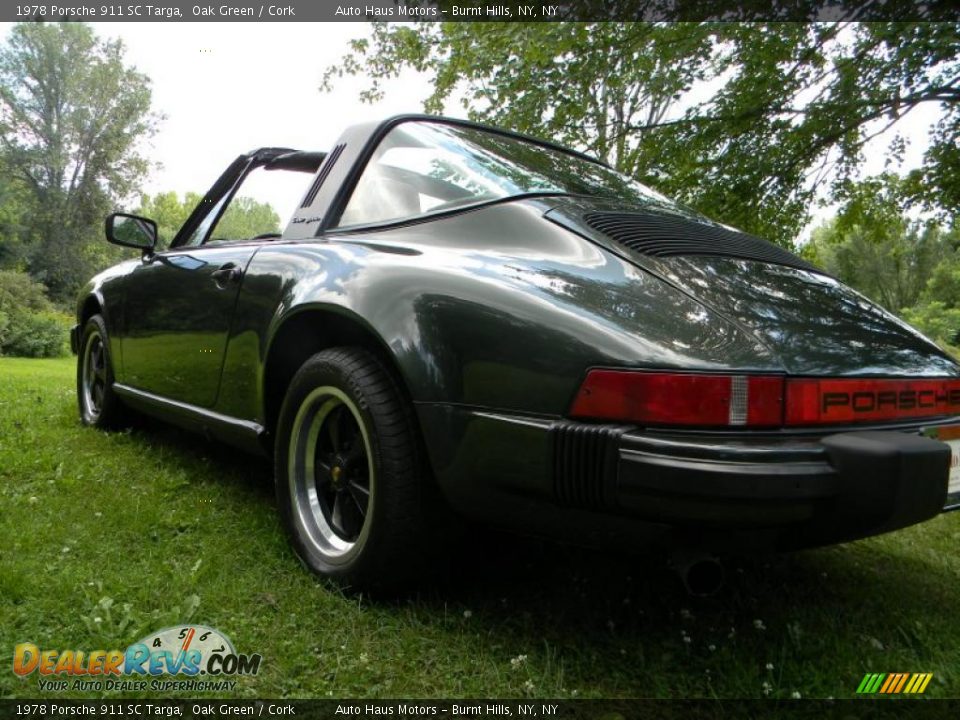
{"x": 98, "y": 403}
{"x": 348, "y": 472}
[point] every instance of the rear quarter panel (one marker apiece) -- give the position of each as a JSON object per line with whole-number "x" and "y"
{"x": 494, "y": 308}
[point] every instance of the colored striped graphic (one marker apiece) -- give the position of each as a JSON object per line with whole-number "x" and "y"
{"x": 894, "y": 683}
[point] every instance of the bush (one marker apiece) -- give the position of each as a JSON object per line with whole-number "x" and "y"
{"x": 29, "y": 324}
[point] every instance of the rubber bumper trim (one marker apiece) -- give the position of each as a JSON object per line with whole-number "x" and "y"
{"x": 891, "y": 480}
{"x": 841, "y": 486}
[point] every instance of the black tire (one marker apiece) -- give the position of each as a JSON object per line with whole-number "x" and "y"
{"x": 98, "y": 403}
{"x": 345, "y": 425}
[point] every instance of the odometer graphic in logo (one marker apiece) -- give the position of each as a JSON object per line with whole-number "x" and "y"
{"x": 189, "y": 650}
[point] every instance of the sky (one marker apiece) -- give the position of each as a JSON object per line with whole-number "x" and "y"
{"x": 227, "y": 88}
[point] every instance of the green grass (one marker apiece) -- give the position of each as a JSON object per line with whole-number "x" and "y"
{"x": 106, "y": 537}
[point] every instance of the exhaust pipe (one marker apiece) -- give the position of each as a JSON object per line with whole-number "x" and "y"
{"x": 702, "y": 575}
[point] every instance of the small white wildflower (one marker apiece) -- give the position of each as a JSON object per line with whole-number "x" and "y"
{"x": 65, "y": 549}
{"x": 767, "y": 687}
{"x": 685, "y": 614}
{"x": 770, "y": 666}
{"x": 34, "y": 498}
{"x": 364, "y": 659}
{"x": 98, "y": 514}
{"x": 574, "y": 692}
{"x": 758, "y": 624}
{"x": 528, "y": 686}
{"x": 711, "y": 647}
{"x": 517, "y": 661}
{"x": 687, "y": 639}
{"x": 795, "y": 695}
{"x": 876, "y": 643}
{"x": 98, "y": 619}
{"x": 468, "y": 614}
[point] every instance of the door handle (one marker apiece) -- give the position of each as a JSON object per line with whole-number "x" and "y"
{"x": 226, "y": 274}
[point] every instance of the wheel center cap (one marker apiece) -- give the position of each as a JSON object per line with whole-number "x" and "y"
{"x": 336, "y": 473}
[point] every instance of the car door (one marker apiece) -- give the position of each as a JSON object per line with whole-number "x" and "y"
{"x": 179, "y": 303}
{"x": 177, "y": 311}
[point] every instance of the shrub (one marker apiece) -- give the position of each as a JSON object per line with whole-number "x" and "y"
{"x": 29, "y": 324}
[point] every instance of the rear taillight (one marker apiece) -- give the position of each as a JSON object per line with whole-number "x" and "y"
{"x": 652, "y": 398}
{"x": 713, "y": 400}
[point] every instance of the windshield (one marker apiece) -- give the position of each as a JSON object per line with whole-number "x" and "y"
{"x": 422, "y": 167}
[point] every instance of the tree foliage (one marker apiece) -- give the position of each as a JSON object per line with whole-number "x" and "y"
{"x": 873, "y": 246}
{"x": 71, "y": 117}
{"x": 168, "y": 211}
{"x": 748, "y": 122}
{"x": 29, "y": 324}
{"x": 244, "y": 217}
{"x": 910, "y": 267}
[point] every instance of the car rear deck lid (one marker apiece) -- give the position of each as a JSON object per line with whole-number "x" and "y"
{"x": 661, "y": 235}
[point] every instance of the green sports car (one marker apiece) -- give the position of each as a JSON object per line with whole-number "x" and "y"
{"x": 458, "y": 320}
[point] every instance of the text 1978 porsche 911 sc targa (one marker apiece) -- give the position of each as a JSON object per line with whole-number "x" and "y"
{"x": 462, "y": 319}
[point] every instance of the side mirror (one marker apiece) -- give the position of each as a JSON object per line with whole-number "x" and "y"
{"x": 132, "y": 231}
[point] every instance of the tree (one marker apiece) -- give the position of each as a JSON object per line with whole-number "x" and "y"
{"x": 168, "y": 211}
{"x": 244, "y": 217}
{"x": 910, "y": 267}
{"x": 789, "y": 107}
{"x": 937, "y": 313}
{"x": 874, "y": 247}
{"x": 801, "y": 104}
{"x": 71, "y": 117}
{"x": 584, "y": 84}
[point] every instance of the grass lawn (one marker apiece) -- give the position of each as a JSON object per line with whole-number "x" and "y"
{"x": 107, "y": 537}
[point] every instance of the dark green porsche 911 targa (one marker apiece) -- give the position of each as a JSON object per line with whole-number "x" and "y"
{"x": 461, "y": 321}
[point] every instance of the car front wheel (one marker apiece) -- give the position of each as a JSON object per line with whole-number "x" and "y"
{"x": 98, "y": 404}
{"x": 349, "y": 476}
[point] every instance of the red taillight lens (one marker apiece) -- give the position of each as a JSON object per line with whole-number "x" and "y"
{"x": 823, "y": 401}
{"x": 652, "y": 398}
{"x": 706, "y": 400}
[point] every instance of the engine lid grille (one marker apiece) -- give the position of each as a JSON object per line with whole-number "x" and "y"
{"x": 660, "y": 235}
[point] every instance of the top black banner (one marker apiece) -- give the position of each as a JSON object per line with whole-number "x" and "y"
{"x": 480, "y": 11}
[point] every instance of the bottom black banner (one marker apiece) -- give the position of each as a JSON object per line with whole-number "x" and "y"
{"x": 485, "y": 709}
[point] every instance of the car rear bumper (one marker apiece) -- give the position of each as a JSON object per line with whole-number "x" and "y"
{"x": 607, "y": 485}
{"x": 839, "y": 487}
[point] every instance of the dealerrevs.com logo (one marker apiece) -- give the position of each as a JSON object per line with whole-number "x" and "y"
{"x": 184, "y": 650}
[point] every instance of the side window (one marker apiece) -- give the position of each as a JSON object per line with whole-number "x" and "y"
{"x": 264, "y": 200}
{"x": 204, "y": 227}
